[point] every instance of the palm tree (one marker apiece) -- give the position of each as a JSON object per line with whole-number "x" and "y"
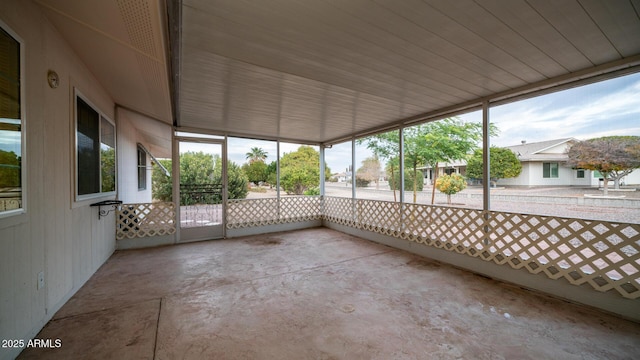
{"x": 256, "y": 154}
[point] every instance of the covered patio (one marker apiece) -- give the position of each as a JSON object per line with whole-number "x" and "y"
{"x": 115, "y": 273}
{"x": 318, "y": 294}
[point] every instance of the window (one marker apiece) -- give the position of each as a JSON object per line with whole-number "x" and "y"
{"x": 95, "y": 151}
{"x": 258, "y": 160}
{"x": 549, "y": 170}
{"x": 338, "y": 160}
{"x": 142, "y": 169}
{"x": 580, "y": 174}
{"x": 377, "y": 157}
{"x": 11, "y": 136}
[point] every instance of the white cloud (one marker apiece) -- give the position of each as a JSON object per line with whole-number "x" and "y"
{"x": 584, "y": 112}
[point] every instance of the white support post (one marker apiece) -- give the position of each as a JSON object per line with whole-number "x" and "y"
{"x": 278, "y": 178}
{"x": 486, "y": 174}
{"x": 322, "y": 170}
{"x": 225, "y": 187}
{"x": 401, "y": 165}
{"x": 353, "y": 168}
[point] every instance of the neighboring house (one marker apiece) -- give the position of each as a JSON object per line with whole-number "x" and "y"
{"x": 341, "y": 177}
{"x": 543, "y": 164}
{"x": 448, "y": 168}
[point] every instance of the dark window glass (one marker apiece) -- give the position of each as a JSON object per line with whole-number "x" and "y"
{"x": 142, "y": 169}
{"x": 549, "y": 170}
{"x": 88, "y": 149}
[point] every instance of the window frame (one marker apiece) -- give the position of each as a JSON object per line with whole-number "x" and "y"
{"x": 101, "y": 115}
{"x": 581, "y": 174}
{"x": 23, "y": 127}
{"x": 142, "y": 168}
{"x": 557, "y": 168}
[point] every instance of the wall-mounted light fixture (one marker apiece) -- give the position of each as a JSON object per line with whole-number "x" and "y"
{"x": 53, "y": 79}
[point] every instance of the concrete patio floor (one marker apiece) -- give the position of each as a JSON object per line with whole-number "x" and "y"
{"x": 317, "y": 294}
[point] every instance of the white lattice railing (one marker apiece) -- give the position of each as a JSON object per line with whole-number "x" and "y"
{"x": 10, "y": 204}
{"x": 602, "y": 254}
{"x": 146, "y": 219}
{"x": 270, "y": 211}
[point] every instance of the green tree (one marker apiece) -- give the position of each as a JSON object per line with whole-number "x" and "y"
{"x": 409, "y": 182}
{"x": 161, "y": 185}
{"x": 440, "y": 141}
{"x": 237, "y": 181}
{"x": 416, "y": 152}
{"x": 503, "y": 164}
{"x": 431, "y": 143}
{"x": 200, "y": 180}
{"x": 613, "y": 156}
{"x": 451, "y": 184}
{"x": 272, "y": 174}
{"x": 256, "y": 154}
{"x": 453, "y": 139}
{"x": 312, "y": 191}
{"x": 108, "y": 169}
{"x": 198, "y": 185}
{"x": 10, "y": 174}
{"x": 300, "y": 170}
{"x": 327, "y": 172}
{"x": 256, "y": 171}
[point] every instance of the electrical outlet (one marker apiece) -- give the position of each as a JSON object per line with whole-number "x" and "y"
{"x": 40, "y": 280}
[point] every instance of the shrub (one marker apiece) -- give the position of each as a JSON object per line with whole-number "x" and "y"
{"x": 394, "y": 183}
{"x": 451, "y": 184}
{"x": 312, "y": 192}
{"x": 360, "y": 182}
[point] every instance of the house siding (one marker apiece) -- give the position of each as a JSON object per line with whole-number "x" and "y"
{"x": 521, "y": 180}
{"x": 532, "y": 157}
{"x": 134, "y": 129}
{"x": 57, "y": 236}
{"x": 633, "y": 178}
{"x": 531, "y": 175}
{"x": 128, "y": 163}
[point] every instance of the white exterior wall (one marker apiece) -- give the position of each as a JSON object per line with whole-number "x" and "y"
{"x": 586, "y": 181}
{"x": 522, "y": 180}
{"x": 559, "y": 149}
{"x": 564, "y": 174}
{"x": 633, "y": 178}
{"x": 155, "y": 136}
{"x": 128, "y": 163}
{"x": 531, "y": 175}
{"x": 56, "y": 236}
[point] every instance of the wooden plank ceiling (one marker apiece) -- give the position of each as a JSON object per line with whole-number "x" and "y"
{"x": 317, "y": 71}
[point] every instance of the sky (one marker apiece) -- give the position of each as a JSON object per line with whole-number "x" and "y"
{"x": 9, "y": 140}
{"x": 606, "y": 108}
